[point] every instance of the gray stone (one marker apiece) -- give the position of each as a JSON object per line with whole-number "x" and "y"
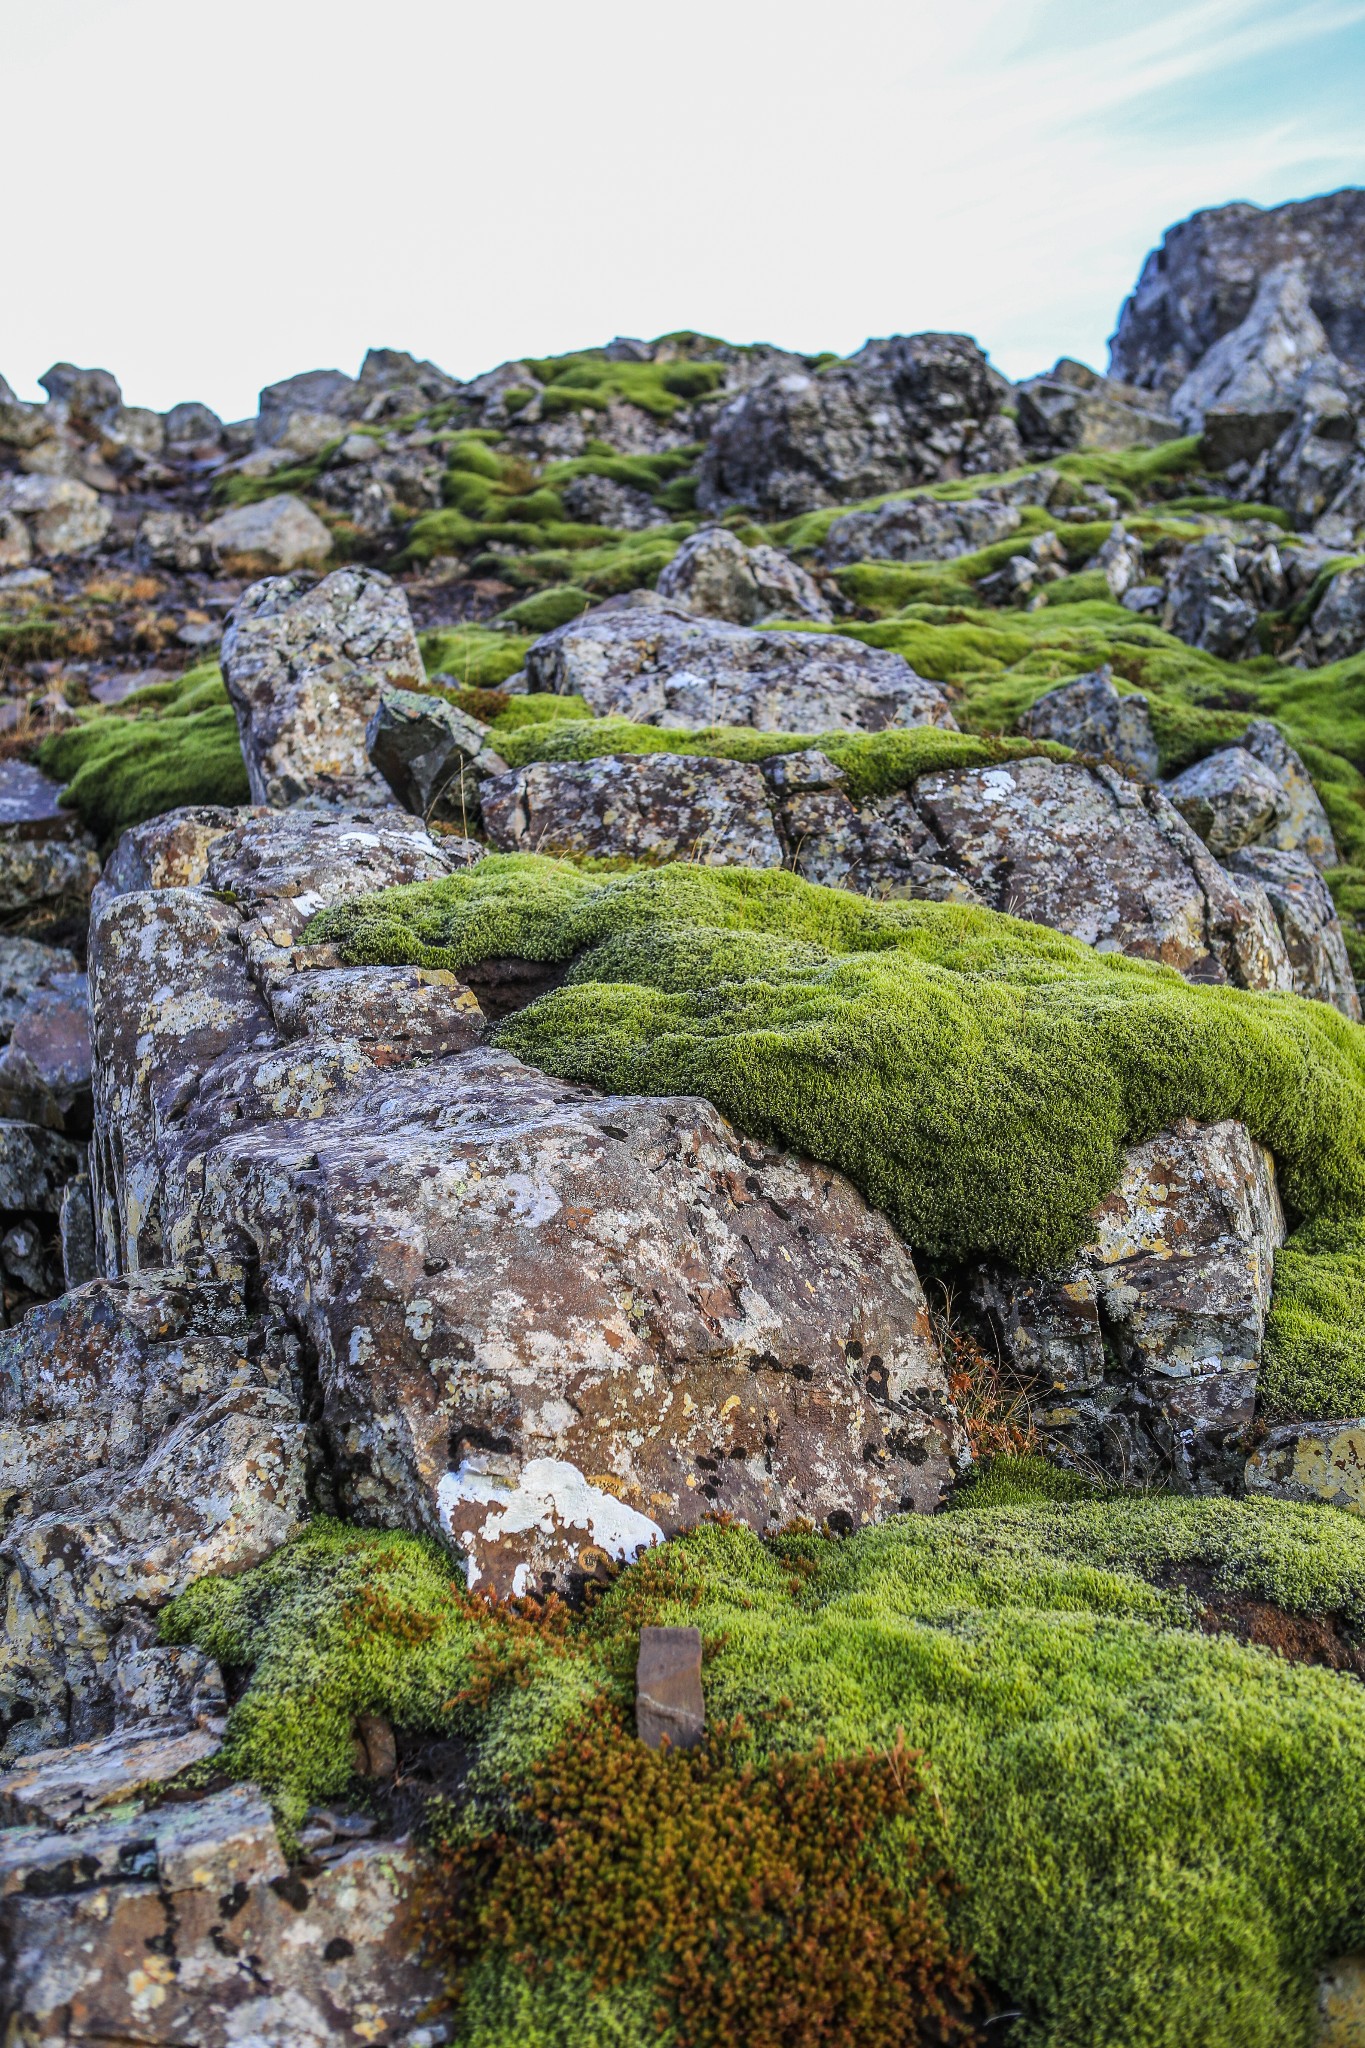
{"x": 170, "y": 851}
{"x": 16, "y": 548}
{"x": 35, "y": 1165}
{"x": 304, "y": 665}
{"x": 56, "y": 1786}
{"x": 191, "y": 426}
{"x": 1204, "y": 602}
{"x": 172, "y": 540}
{"x": 1090, "y": 715}
{"x": 919, "y": 530}
{"x": 1074, "y": 407}
{"x": 1259, "y": 365}
{"x": 1336, "y": 629}
{"x": 311, "y": 391}
{"x": 279, "y": 534}
{"x": 716, "y": 576}
{"x": 53, "y": 1032}
{"x": 902, "y": 411}
{"x": 600, "y": 501}
{"x": 64, "y": 516}
{"x": 26, "y": 966}
{"x": 168, "y": 1686}
{"x": 1311, "y": 1461}
{"x": 76, "y": 1232}
{"x": 30, "y": 804}
{"x": 1120, "y": 558}
{"x": 1144, "y": 1352}
{"x": 660, "y": 666}
{"x": 1230, "y": 799}
{"x": 653, "y": 807}
{"x": 397, "y": 1014}
{"x": 423, "y": 748}
{"x": 669, "y": 1707}
{"x": 1302, "y": 826}
{"x": 1308, "y": 922}
{"x": 88, "y": 393}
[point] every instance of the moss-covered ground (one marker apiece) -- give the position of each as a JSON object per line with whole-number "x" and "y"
{"x": 976, "y": 1076}
{"x": 171, "y": 744}
{"x": 1151, "y": 1833}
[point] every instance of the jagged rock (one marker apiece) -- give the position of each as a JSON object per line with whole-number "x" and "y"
{"x": 76, "y": 1231}
{"x": 1090, "y": 715}
{"x": 661, "y": 666}
{"x": 882, "y": 848}
{"x": 1144, "y": 1352}
{"x": 1042, "y": 560}
{"x": 1204, "y": 603}
{"x": 1230, "y": 799}
{"x": 35, "y": 1165}
{"x": 902, "y": 411}
{"x": 183, "y": 1925}
{"x": 326, "y": 391}
{"x": 46, "y": 885}
{"x": 148, "y": 1434}
{"x": 573, "y": 1327}
{"x": 54, "y": 1787}
{"x": 1308, "y": 922}
{"x": 1301, "y": 825}
{"x": 1074, "y": 407}
{"x": 1121, "y": 560}
{"x": 88, "y": 393}
{"x": 714, "y": 575}
{"x": 304, "y": 665}
{"x": 919, "y": 530}
{"x": 64, "y": 517}
{"x": 52, "y": 1032}
{"x": 1233, "y": 437}
{"x": 431, "y": 755}
{"x": 304, "y": 433}
{"x": 191, "y": 427}
{"x": 652, "y": 807}
{"x": 1088, "y": 852}
{"x": 396, "y": 1014}
{"x": 1311, "y": 1461}
{"x": 1203, "y": 280}
{"x": 170, "y": 851}
{"x": 1337, "y": 626}
{"x": 600, "y": 501}
{"x": 167, "y": 1686}
{"x": 1259, "y": 366}
{"x": 281, "y": 533}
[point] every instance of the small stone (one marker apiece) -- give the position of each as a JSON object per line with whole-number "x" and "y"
{"x": 1090, "y": 715}
{"x": 716, "y": 576}
{"x": 422, "y": 745}
{"x": 669, "y": 1708}
{"x": 58, "y": 1784}
{"x": 374, "y": 1736}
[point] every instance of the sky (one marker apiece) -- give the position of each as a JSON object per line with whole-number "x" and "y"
{"x": 206, "y": 198}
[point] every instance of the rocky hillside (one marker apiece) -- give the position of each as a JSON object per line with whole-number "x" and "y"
{"x": 682, "y": 1153}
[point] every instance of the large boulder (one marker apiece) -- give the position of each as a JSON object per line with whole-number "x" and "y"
{"x": 653, "y": 807}
{"x": 1260, "y": 366}
{"x": 304, "y": 665}
{"x": 1144, "y": 1352}
{"x": 659, "y": 665}
{"x": 1206, "y": 603}
{"x": 1073, "y": 407}
{"x": 1307, "y": 917}
{"x": 1230, "y": 798}
{"x": 279, "y": 533}
{"x": 903, "y": 411}
{"x": 715, "y": 575}
{"x": 63, "y": 516}
{"x": 311, "y": 391}
{"x": 919, "y": 530}
{"x": 1203, "y": 282}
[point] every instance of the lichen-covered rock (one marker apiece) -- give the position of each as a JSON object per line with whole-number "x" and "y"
{"x": 423, "y": 746}
{"x": 64, "y": 516}
{"x": 148, "y": 1433}
{"x": 1258, "y": 366}
{"x": 304, "y": 665}
{"x": 1311, "y": 1461}
{"x": 1144, "y": 1352}
{"x": 1308, "y": 922}
{"x": 170, "y": 851}
{"x": 661, "y": 666}
{"x": 281, "y": 533}
{"x": 1301, "y": 825}
{"x": 1088, "y": 852}
{"x": 552, "y": 1325}
{"x": 919, "y": 530}
{"x": 881, "y": 848}
{"x": 715, "y": 575}
{"x": 653, "y": 807}
{"x": 1090, "y": 715}
{"x": 1337, "y": 626}
{"x": 1230, "y": 798}
{"x": 183, "y": 1925}
{"x": 902, "y": 411}
{"x": 1204, "y": 602}
{"x": 1074, "y": 407}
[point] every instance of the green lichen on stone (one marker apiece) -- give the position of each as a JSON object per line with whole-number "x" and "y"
{"x": 171, "y": 744}
{"x": 1154, "y": 1831}
{"x": 977, "y": 1077}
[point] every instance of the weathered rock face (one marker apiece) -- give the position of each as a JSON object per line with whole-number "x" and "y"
{"x": 432, "y": 755}
{"x": 919, "y": 530}
{"x": 903, "y": 411}
{"x": 1089, "y": 715}
{"x": 1073, "y": 407}
{"x": 1203, "y": 281}
{"x": 183, "y": 1925}
{"x": 304, "y": 664}
{"x": 1337, "y": 626}
{"x": 660, "y": 666}
{"x": 280, "y": 533}
{"x": 1312, "y": 1461}
{"x": 546, "y": 1324}
{"x": 1230, "y": 798}
{"x": 1307, "y": 917}
{"x": 148, "y": 1434}
{"x": 637, "y": 807}
{"x": 62, "y": 515}
{"x": 1144, "y": 1353}
{"x": 1205, "y": 603}
{"x": 1258, "y": 367}
{"x": 1301, "y": 824}
{"x": 716, "y": 576}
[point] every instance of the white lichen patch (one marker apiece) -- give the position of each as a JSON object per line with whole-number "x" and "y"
{"x": 548, "y": 1496}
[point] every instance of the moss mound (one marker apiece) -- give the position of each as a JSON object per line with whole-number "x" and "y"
{"x": 977, "y": 1077}
{"x": 477, "y": 657}
{"x": 175, "y": 743}
{"x": 1314, "y": 1364}
{"x": 1154, "y": 1831}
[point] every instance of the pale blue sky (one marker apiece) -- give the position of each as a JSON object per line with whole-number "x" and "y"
{"x": 211, "y": 197}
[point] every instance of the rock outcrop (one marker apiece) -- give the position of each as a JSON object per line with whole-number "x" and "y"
{"x": 715, "y": 575}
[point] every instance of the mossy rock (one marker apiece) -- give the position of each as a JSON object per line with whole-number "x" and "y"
{"x": 168, "y": 745}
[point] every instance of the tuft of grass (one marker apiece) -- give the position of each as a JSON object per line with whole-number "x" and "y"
{"x": 977, "y": 1077}
{"x": 171, "y": 744}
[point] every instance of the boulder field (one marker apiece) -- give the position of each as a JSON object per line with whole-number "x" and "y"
{"x": 682, "y": 1191}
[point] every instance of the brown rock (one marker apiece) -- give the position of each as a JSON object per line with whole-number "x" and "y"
{"x": 668, "y": 1699}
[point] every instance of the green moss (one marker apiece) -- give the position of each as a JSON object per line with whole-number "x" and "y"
{"x": 1155, "y": 1832}
{"x": 298, "y": 477}
{"x": 587, "y": 380}
{"x": 1347, "y": 884}
{"x": 1314, "y": 1364}
{"x": 549, "y": 608}
{"x": 478, "y": 657}
{"x": 977, "y": 1077}
{"x": 173, "y": 744}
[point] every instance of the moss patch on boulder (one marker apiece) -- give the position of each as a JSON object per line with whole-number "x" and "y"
{"x": 168, "y": 745}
